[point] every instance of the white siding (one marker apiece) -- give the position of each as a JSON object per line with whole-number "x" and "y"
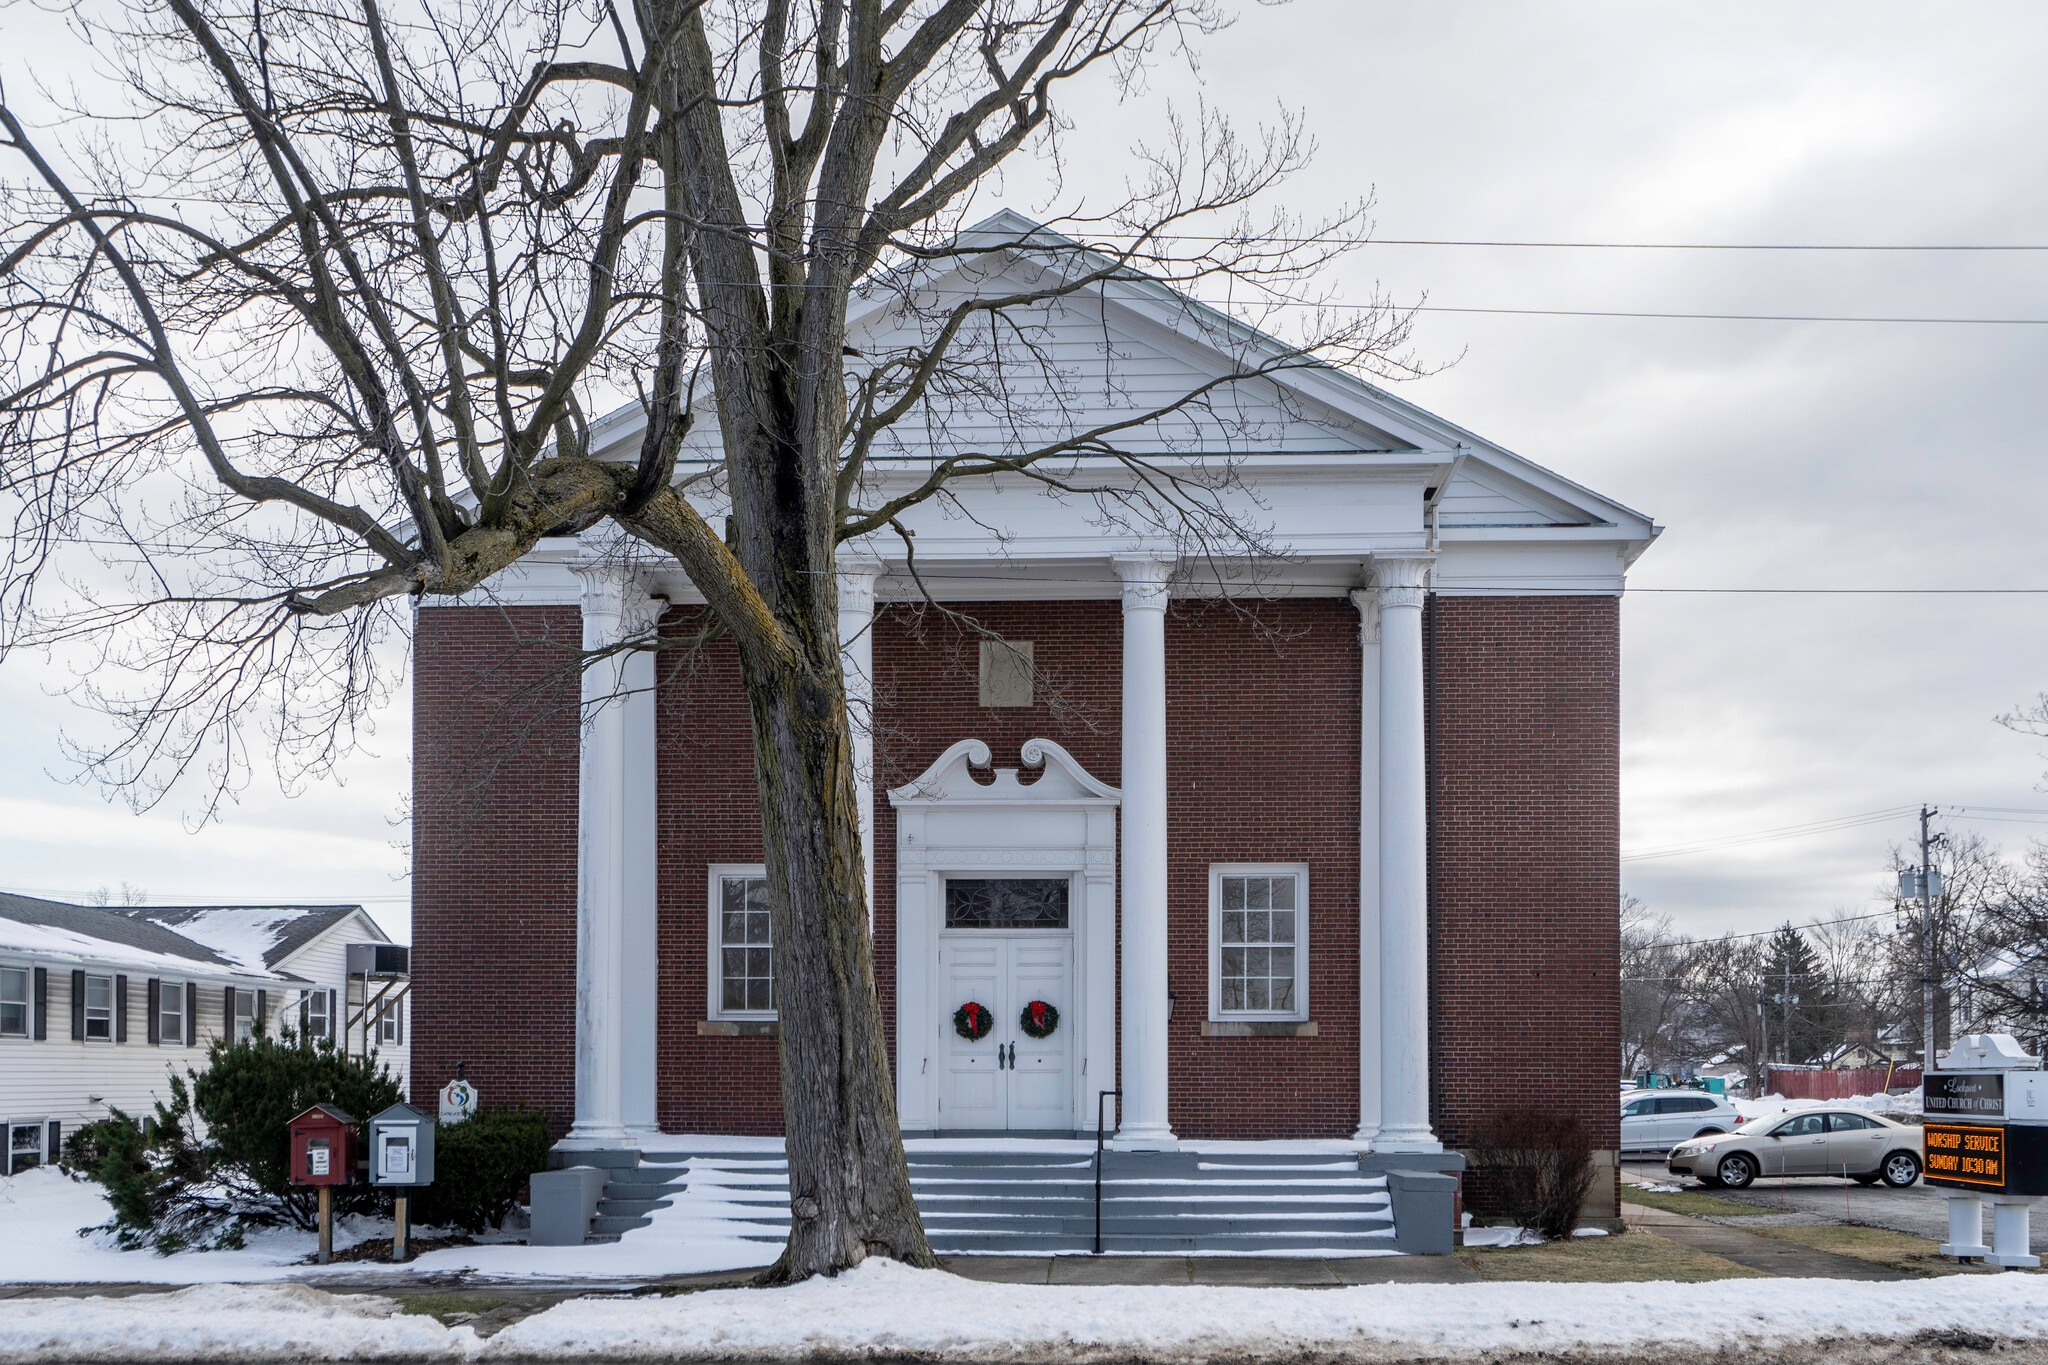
{"x": 324, "y": 962}
{"x": 75, "y": 1082}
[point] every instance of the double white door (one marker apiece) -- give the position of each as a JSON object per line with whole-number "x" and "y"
{"x": 1007, "y": 1079}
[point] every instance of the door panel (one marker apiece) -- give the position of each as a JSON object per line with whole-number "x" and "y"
{"x": 1041, "y": 1084}
{"x": 971, "y": 1091}
{"x": 1857, "y": 1150}
{"x": 979, "y": 1088}
{"x": 1802, "y": 1146}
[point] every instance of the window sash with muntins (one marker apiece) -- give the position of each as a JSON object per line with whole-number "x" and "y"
{"x": 1008, "y": 902}
{"x": 1258, "y": 933}
{"x": 318, "y": 1024}
{"x": 16, "y": 1002}
{"x": 99, "y": 1009}
{"x": 170, "y": 1013}
{"x": 24, "y": 1145}
{"x": 245, "y": 1015}
{"x": 743, "y": 932}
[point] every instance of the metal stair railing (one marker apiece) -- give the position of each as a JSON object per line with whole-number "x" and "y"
{"x": 1100, "y": 1096}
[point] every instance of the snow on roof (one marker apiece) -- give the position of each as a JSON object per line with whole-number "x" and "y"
{"x": 254, "y": 937}
{"x": 73, "y": 944}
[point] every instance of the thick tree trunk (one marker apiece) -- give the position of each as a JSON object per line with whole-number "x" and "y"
{"x": 849, "y": 1185}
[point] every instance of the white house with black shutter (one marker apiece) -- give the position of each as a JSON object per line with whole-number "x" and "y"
{"x": 99, "y": 1006}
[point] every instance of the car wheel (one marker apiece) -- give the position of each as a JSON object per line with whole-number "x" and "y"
{"x": 1900, "y": 1170}
{"x": 1738, "y": 1170}
{"x": 1867, "y": 1178}
{"x": 1712, "y": 1182}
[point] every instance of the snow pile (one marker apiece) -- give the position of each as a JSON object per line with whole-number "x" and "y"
{"x": 224, "y": 1322}
{"x": 883, "y": 1310}
{"x": 1502, "y": 1237}
{"x": 887, "y": 1311}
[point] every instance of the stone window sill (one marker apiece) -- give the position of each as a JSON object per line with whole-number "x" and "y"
{"x": 1261, "y": 1028}
{"x": 738, "y": 1028}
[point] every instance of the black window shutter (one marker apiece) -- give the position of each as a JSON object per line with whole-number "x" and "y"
{"x": 262, "y": 1009}
{"x": 78, "y": 1007}
{"x": 333, "y": 1019}
{"x": 227, "y": 1021}
{"x": 56, "y": 1148}
{"x": 42, "y": 1003}
{"x": 120, "y": 1009}
{"x": 191, "y": 1013}
{"x": 152, "y": 1005}
{"x": 305, "y": 1016}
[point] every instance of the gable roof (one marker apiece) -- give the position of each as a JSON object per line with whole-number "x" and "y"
{"x": 1161, "y": 343}
{"x": 95, "y": 933}
{"x": 258, "y": 937}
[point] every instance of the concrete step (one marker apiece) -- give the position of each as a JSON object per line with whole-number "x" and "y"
{"x": 617, "y": 1224}
{"x": 629, "y": 1208}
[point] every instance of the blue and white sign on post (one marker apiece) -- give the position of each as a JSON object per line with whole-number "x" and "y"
{"x": 458, "y": 1101}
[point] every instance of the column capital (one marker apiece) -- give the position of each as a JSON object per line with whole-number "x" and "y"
{"x": 1145, "y": 578}
{"x": 1368, "y": 603}
{"x": 857, "y": 579}
{"x": 1400, "y": 579}
{"x": 615, "y": 603}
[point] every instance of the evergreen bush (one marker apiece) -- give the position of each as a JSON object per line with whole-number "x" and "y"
{"x": 480, "y": 1166}
{"x": 1533, "y": 1165}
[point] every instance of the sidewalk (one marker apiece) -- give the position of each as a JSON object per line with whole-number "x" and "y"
{"x": 1767, "y": 1254}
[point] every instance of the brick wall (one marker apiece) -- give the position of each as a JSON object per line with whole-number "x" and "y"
{"x": 494, "y": 854}
{"x": 710, "y": 813}
{"x": 1262, "y": 767}
{"x": 1523, "y": 716}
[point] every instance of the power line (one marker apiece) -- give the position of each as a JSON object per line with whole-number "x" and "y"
{"x": 1591, "y": 246}
{"x": 1255, "y": 304}
{"x": 1768, "y": 835}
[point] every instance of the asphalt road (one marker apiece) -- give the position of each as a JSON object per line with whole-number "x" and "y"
{"x": 1921, "y": 1210}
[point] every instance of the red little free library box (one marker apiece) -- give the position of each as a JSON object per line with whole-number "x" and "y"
{"x": 323, "y": 1147}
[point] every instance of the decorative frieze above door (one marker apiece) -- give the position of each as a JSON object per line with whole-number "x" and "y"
{"x": 1007, "y": 850}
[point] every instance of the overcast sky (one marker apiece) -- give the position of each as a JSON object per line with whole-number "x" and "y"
{"x": 1776, "y": 454}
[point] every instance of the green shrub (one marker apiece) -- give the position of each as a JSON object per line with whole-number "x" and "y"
{"x": 252, "y": 1090}
{"x": 480, "y": 1165}
{"x": 171, "y": 1188}
{"x": 1533, "y": 1165}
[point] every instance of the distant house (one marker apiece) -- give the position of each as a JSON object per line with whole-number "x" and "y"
{"x": 98, "y": 1006}
{"x": 347, "y": 991}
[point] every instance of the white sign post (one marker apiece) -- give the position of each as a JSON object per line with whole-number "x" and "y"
{"x": 458, "y": 1101}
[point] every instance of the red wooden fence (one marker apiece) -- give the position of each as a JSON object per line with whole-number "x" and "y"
{"x": 1823, "y": 1083}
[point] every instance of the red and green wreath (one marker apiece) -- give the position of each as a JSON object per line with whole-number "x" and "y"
{"x": 972, "y": 1021}
{"x": 1039, "y": 1019}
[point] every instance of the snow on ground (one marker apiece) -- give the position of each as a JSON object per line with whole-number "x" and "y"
{"x": 1906, "y": 1103}
{"x": 887, "y": 1311}
{"x": 41, "y": 1212}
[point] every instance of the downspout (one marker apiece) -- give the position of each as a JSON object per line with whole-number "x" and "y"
{"x": 1435, "y": 499}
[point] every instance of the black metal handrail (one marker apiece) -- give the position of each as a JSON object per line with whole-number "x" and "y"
{"x": 1100, "y": 1096}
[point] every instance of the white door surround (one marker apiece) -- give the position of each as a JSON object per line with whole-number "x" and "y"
{"x": 1063, "y": 824}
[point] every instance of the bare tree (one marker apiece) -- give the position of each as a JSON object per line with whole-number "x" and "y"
{"x": 316, "y": 323}
{"x": 1656, "y": 989}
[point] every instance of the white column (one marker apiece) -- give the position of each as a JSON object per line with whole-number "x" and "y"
{"x": 1369, "y": 1067}
{"x": 1404, "y": 865}
{"x": 1145, "y": 1123}
{"x": 641, "y": 1020}
{"x": 857, "y": 658}
{"x": 615, "y": 608}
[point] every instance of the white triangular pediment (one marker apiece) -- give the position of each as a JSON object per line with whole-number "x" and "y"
{"x": 951, "y": 779}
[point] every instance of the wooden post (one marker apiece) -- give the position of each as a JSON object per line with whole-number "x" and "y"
{"x": 326, "y": 1224}
{"x": 401, "y": 1234}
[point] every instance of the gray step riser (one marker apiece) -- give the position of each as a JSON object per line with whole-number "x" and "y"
{"x": 1160, "y": 1227}
{"x": 1156, "y": 1246}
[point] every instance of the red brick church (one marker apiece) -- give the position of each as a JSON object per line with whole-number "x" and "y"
{"x": 1329, "y": 856}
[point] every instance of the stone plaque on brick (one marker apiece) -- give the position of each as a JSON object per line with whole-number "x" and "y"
{"x": 1006, "y": 673}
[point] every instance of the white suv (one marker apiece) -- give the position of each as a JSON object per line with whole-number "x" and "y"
{"x": 1658, "y": 1120}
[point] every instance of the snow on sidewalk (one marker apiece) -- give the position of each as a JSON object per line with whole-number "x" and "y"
{"x": 887, "y": 1311}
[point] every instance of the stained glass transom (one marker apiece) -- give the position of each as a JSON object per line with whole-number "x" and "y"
{"x": 1006, "y": 903}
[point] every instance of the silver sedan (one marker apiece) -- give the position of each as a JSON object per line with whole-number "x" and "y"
{"x": 1837, "y": 1142}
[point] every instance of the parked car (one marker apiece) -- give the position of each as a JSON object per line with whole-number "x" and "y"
{"x": 1835, "y": 1142}
{"x": 1654, "y": 1120}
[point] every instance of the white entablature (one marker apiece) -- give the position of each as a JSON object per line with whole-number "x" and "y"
{"x": 1331, "y": 469}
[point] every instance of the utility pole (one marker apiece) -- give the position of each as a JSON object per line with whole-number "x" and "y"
{"x": 1926, "y": 951}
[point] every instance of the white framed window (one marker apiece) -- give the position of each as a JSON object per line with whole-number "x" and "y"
{"x": 742, "y": 943}
{"x": 99, "y": 1009}
{"x": 1258, "y": 941}
{"x": 245, "y": 1015}
{"x": 391, "y": 1024}
{"x": 170, "y": 1013}
{"x": 25, "y": 1144}
{"x": 319, "y": 1023}
{"x": 17, "y": 1006}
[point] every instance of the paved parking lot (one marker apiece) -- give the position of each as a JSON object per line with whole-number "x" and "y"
{"x": 1921, "y": 1210}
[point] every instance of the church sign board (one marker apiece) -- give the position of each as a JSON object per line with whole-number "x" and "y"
{"x": 1975, "y": 1094}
